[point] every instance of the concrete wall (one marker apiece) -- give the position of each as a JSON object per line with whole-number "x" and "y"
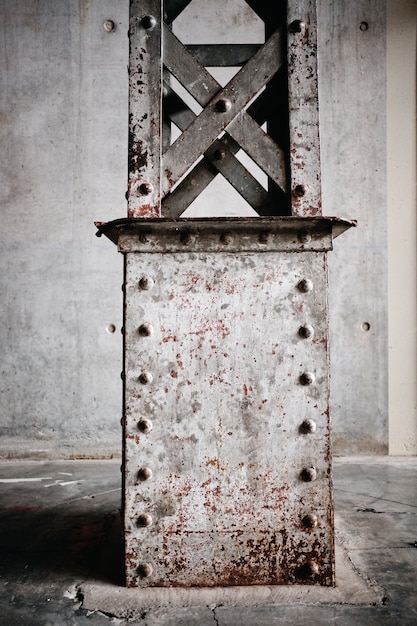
{"x": 63, "y": 134}
{"x": 352, "y": 66}
{"x": 63, "y": 127}
{"x": 402, "y": 225}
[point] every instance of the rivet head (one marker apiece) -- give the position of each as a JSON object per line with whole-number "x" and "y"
{"x": 144, "y": 237}
{"x": 148, "y": 22}
{"x": 308, "y": 474}
{"x": 306, "y": 331}
{"x": 145, "y": 188}
{"x": 304, "y": 236}
{"x": 186, "y": 238}
{"x": 307, "y": 378}
{"x": 145, "y": 426}
{"x": 145, "y": 330}
{"x": 226, "y": 238}
{"x": 264, "y": 236}
{"x": 311, "y": 568}
{"x": 108, "y": 26}
{"x": 219, "y": 155}
{"x": 146, "y": 283}
{"x": 305, "y": 285}
{"x": 145, "y": 520}
{"x": 297, "y": 26}
{"x": 308, "y": 426}
{"x": 310, "y": 520}
{"x": 145, "y": 570}
{"x": 300, "y": 190}
{"x": 223, "y": 105}
{"x": 145, "y": 473}
{"x": 145, "y": 378}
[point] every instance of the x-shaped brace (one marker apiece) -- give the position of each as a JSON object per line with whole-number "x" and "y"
{"x": 224, "y": 110}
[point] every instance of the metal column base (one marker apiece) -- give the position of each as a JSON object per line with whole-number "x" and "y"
{"x": 227, "y": 463}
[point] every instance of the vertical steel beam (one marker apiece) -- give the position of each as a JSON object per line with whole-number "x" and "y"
{"x": 304, "y": 152}
{"x": 145, "y": 127}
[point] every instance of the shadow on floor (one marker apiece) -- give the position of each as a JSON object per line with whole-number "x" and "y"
{"x": 42, "y": 545}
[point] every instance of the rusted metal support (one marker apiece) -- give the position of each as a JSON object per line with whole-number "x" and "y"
{"x": 145, "y": 127}
{"x": 227, "y": 456}
{"x": 226, "y": 425}
{"x": 304, "y": 146}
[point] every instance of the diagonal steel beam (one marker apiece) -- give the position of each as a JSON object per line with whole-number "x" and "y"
{"x": 259, "y": 146}
{"x": 222, "y": 109}
{"x": 218, "y": 159}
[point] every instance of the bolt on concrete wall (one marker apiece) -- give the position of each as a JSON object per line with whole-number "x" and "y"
{"x": 63, "y": 128}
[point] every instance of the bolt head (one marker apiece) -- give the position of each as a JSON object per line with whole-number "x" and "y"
{"x": 145, "y": 473}
{"x": 145, "y": 378}
{"x": 311, "y": 568}
{"x": 304, "y": 236}
{"x": 306, "y": 331}
{"x": 145, "y": 520}
{"x": 297, "y": 26}
{"x": 310, "y": 520}
{"x": 146, "y": 283}
{"x": 148, "y": 22}
{"x": 187, "y": 238}
{"x": 264, "y": 236}
{"x": 226, "y": 238}
{"x": 145, "y": 330}
{"x": 219, "y": 155}
{"x": 305, "y": 285}
{"x": 109, "y": 26}
{"x": 308, "y": 426}
{"x": 307, "y": 378}
{"x": 145, "y": 570}
{"x": 145, "y": 188}
{"x": 145, "y": 426}
{"x": 300, "y": 190}
{"x": 308, "y": 474}
{"x": 223, "y": 105}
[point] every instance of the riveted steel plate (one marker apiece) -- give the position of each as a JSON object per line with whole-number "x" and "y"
{"x": 227, "y": 465}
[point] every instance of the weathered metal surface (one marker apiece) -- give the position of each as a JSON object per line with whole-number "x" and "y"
{"x": 214, "y": 119}
{"x": 227, "y": 463}
{"x": 156, "y": 166}
{"x": 224, "y": 482}
{"x": 279, "y": 234}
{"x": 223, "y": 55}
{"x": 304, "y": 148}
{"x": 145, "y": 80}
{"x": 219, "y": 158}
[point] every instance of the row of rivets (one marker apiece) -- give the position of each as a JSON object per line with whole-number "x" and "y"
{"x": 145, "y": 519}
{"x": 145, "y": 425}
{"x": 308, "y": 426}
{"x": 226, "y": 238}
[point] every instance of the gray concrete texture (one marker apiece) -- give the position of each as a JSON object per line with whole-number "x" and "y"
{"x": 61, "y": 550}
{"x": 63, "y": 164}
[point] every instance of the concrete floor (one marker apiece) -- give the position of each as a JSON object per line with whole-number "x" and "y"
{"x": 60, "y": 538}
